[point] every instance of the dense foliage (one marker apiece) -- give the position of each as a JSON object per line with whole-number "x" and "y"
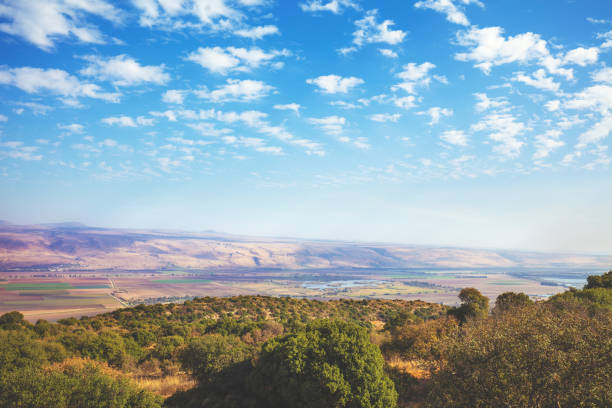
{"x": 254, "y": 351}
{"x": 329, "y": 364}
{"x": 530, "y": 357}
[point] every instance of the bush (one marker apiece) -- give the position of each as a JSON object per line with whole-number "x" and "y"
{"x": 510, "y": 300}
{"x": 528, "y": 357}
{"x": 207, "y": 357}
{"x": 329, "y": 364}
{"x": 83, "y": 386}
{"x": 599, "y": 281}
{"x": 474, "y": 305}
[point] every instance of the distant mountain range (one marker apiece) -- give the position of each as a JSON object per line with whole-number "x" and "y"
{"x": 77, "y": 246}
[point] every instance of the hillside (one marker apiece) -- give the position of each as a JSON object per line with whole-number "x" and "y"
{"x": 75, "y": 246}
{"x": 257, "y": 351}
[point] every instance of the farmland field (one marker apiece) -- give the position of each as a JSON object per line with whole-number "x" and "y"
{"x": 53, "y": 271}
{"x": 88, "y": 293}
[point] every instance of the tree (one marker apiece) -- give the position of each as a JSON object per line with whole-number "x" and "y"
{"x": 11, "y": 321}
{"x": 329, "y": 364}
{"x": 208, "y": 356}
{"x": 599, "y": 281}
{"x": 510, "y": 300}
{"x": 540, "y": 356}
{"x": 474, "y": 305}
{"x": 72, "y": 385}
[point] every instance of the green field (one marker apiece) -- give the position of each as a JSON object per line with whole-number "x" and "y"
{"x": 37, "y": 286}
{"x": 49, "y": 286}
{"x": 510, "y": 283}
{"x": 73, "y": 301}
{"x": 182, "y": 281}
{"x": 174, "y": 272}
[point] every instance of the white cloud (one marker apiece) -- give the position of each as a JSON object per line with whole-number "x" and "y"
{"x": 332, "y": 125}
{"x": 127, "y": 121}
{"x": 385, "y": 117}
{"x": 454, "y": 137}
{"x": 256, "y": 120}
{"x": 414, "y": 75}
{"x": 3, "y": 118}
{"x": 567, "y": 122}
{"x": 598, "y": 20}
{"x": 597, "y": 97}
{"x": 252, "y": 3}
{"x": 504, "y": 130}
{"x": 387, "y": 53}
{"x": 36, "y": 108}
{"x": 597, "y": 133}
{"x": 174, "y": 96}
{"x": 166, "y": 164}
{"x": 124, "y": 71}
{"x": 370, "y": 31}
{"x": 603, "y": 75}
{"x": 72, "y": 128}
{"x": 436, "y": 113}
{"x": 546, "y": 143}
{"x": 214, "y": 59}
{"x": 225, "y": 60}
{"x": 168, "y": 13}
{"x": 553, "y": 105}
{"x": 209, "y": 129}
{"x": 554, "y": 65}
{"x": 538, "y": 80}
{"x": 289, "y": 106}
{"x": 43, "y": 22}
{"x": 257, "y": 33}
{"x": 405, "y": 102}
{"x": 252, "y": 119}
{"x": 55, "y": 81}
{"x": 346, "y": 105}
{"x": 453, "y": 13}
{"x": 570, "y": 157}
{"x": 485, "y": 103}
{"x": 347, "y": 50}
{"x": 489, "y": 48}
{"x": 17, "y": 150}
{"x": 332, "y": 84}
{"x": 108, "y": 143}
{"x": 607, "y": 37}
{"x": 582, "y": 56}
{"x": 361, "y": 143}
{"x": 335, "y": 6}
{"x": 255, "y": 143}
{"x": 236, "y": 90}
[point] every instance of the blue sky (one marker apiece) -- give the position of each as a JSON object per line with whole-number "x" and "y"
{"x": 451, "y": 122}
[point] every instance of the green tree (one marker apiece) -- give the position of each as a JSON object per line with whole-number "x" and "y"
{"x": 331, "y": 364}
{"x": 11, "y": 321}
{"x": 510, "y": 300}
{"x": 208, "y": 356}
{"x": 539, "y": 356}
{"x": 599, "y": 281}
{"x": 473, "y": 305}
{"x": 72, "y": 386}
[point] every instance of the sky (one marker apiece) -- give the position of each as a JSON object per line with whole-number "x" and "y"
{"x": 472, "y": 123}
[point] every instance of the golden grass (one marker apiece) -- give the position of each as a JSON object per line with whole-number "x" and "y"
{"x": 166, "y": 386}
{"x": 412, "y": 367}
{"x": 79, "y": 363}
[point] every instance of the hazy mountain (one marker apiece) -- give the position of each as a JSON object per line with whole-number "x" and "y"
{"x": 99, "y": 248}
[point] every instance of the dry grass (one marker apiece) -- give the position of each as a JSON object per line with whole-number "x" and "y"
{"x": 413, "y": 367}
{"x": 166, "y": 386}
